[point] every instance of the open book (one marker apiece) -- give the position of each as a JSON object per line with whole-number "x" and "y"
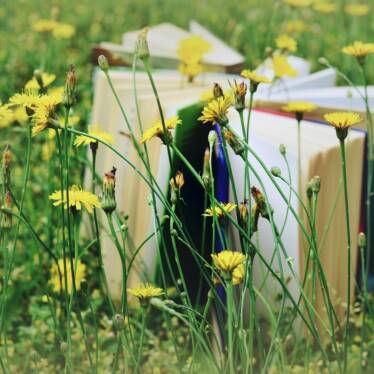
{"x": 268, "y": 130}
{"x": 163, "y": 41}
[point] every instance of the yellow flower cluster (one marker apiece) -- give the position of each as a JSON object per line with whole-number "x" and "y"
{"x": 79, "y": 273}
{"x": 299, "y": 107}
{"x": 77, "y": 198}
{"x": 58, "y": 29}
{"x": 324, "y": 6}
{"x": 357, "y": 10}
{"x": 157, "y": 129}
{"x": 190, "y": 52}
{"x": 145, "y": 291}
{"x": 219, "y": 211}
{"x": 94, "y": 130}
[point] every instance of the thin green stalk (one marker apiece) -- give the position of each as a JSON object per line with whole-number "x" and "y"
{"x": 348, "y": 232}
{"x": 230, "y": 300}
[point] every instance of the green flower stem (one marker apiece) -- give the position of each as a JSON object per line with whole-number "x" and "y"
{"x": 9, "y": 262}
{"x": 348, "y": 231}
{"x": 122, "y": 256}
{"x": 299, "y": 171}
{"x": 141, "y": 340}
{"x": 230, "y": 325}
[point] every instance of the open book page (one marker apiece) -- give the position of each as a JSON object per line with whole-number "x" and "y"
{"x": 320, "y": 156}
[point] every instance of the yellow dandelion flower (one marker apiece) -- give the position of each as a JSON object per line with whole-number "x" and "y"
{"x": 219, "y": 211}
{"x": 324, "y": 7}
{"x": 343, "y": 120}
{"x": 20, "y": 114}
{"x": 94, "y": 131}
{"x": 157, "y": 129}
{"x": 227, "y": 260}
{"x": 6, "y": 116}
{"x": 285, "y": 42}
{"x": 359, "y": 49}
{"x": 79, "y": 273}
{"x": 298, "y": 3}
{"x": 253, "y": 77}
{"x": 295, "y": 26}
{"x": 43, "y": 112}
{"x": 299, "y": 107}
{"x": 357, "y": 10}
{"x": 238, "y": 274}
{"x": 282, "y": 67}
{"x": 193, "y": 44}
{"x": 190, "y": 70}
{"x": 216, "y": 111}
{"x": 145, "y": 291}
{"x": 47, "y": 79}
{"x": 77, "y": 198}
{"x": 63, "y": 31}
{"x": 44, "y": 25}
{"x": 27, "y": 99}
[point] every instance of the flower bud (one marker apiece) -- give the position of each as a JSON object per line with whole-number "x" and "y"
{"x": 38, "y": 75}
{"x": 103, "y": 63}
{"x": 141, "y": 47}
{"x": 206, "y": 169}
{"x": 212, "y": 137}
{"x": 282, "y": 149}
{"x": 240, "y": 91}
{"x": 7, "y": 160}
{"x": 361, "y": 240}
{"x": 118, "y": 322}
{"x": 70, "y": 83}
{"x": 243, "y": 210}
{"x": 261, "y": 202}
{"x": 234, "y": 142}
{"x": 176, "y": 184}
{"x": 315, "y": 184}
{"x": 276, "y": 171}
{"x": 108, "y": 202}
{"x": 6, "y": 218}
{"x": 217, "y": 91}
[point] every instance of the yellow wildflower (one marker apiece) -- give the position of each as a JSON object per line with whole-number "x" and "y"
{"x": 282, "y": 67}
{"x": 44, "y": 25}
{"x": 227, "y": 260}
{"x": 294, "y": 26}
{"x": 20, "y": 114}
{"x": 238, "y": 274}
{"x": 359, "y": 49}
{"x": 342, "y": 120}
{"x": 77, "y": 198}
{"x": 298, "y": 3}
{"x": 285, "y": 42}
{"x": 94, "y": 131}
{"x": 63, "y": 31}
{"x": 190, "y": 69}
{"x": 195, "y": 45}
{"x": 6, "y": 116}
{"x": 27, "y": 99}
{"x": 324, "y": 7}
{"x": 79, "y": 273}
{"x": 43, "y": 112}
{"x": 157, "y": 129}
{"x": 33, "y": 84}
{"x": 357, "y": 9}
{"x": 299, "y": 107}
{"x": 216, "y": 111}
{"x": 219, "y": 211}
{"x": 253, "y": 77}
{"x": 145, "y": 291}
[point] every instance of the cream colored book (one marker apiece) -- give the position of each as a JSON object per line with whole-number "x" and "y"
{"x": 320, "y": 156}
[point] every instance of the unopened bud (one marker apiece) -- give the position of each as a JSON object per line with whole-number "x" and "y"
{"x": 212, "y": 137}
{"x": 118, "y": 322}
{"x": 361, "y": 240}
{"x": 282, "y": 149}
{"x": 240, "y": 91}
{"x": 176, "y": 184}
{"x": 103, "y": 63}
{"x": 70, "y": 84}
{"x": 6, "y": 218}
{"x": 217, "y": 91}
{"x": 276, "y": 171}
{"x": 315, "y": 184}
{"x": 234, "y": 142}
{"x": 323, "y": 61}
{"x": 243, "y": 210}
{"x": 206, "y": 169}
{"x": 7, "y": 160}
{"x": 108, "y": 202}
{"x": 141, "y": 47}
